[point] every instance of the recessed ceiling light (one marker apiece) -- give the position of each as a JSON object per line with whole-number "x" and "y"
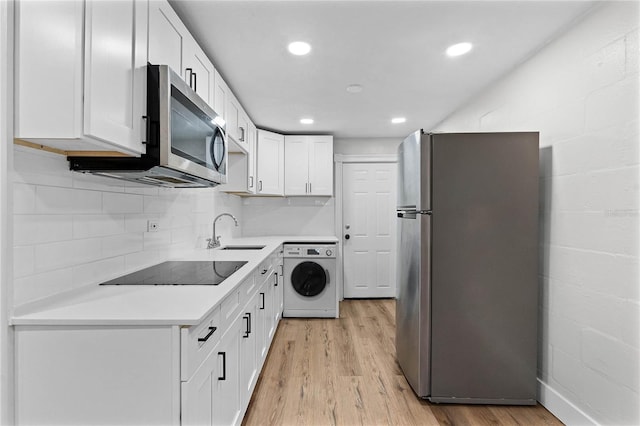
{"x": 306, "y": 120}
{"x": 354, "y": 88}
{"x": 459, "y": 49}
{"x": 299, "y": 48}
{"x": 398, "y": 120}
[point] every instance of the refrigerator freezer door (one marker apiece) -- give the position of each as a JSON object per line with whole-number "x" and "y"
{"x": 413, "y": 304}
{"x": 414, "y": 169}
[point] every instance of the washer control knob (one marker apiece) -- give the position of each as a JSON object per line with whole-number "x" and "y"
{"x": 328, "y": 252}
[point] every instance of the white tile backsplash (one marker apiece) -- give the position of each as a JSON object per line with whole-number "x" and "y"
{"x": 73, "y": 229}
{"x": 67, "y": 253}
{"x": 289, "y": 216}
{"x": 24, "y": 198}
{"x": 37, "y": 286}
{"x": 86, "y": 226}
{"x": 122, "y": 203}
{"x": 98, "y": 271}
{"x": 581, "y": 92}
{"x": 117, "y": 245}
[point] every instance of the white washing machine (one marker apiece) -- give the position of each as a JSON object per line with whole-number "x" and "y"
{"x": 310, "y": 288}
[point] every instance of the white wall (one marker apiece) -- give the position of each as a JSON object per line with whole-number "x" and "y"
{"x": 72, "y": 229}
{"x": 363, "y": 146}
{"x": 6, "y": 136}
{"x": 581, "y": 92}
{"x": 288, "y": 216}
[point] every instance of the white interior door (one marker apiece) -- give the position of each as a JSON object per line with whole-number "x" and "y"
{"x": 369, "y": 200}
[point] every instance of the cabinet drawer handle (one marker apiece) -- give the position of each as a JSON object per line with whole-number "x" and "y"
{"x": 275, "y": 284}
{"x": 224, "y": 366}
{"x": 262, "y": 294}
{"x": 209, "y": 334}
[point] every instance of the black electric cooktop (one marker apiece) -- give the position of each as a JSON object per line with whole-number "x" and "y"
{"x": 180, "y": 273}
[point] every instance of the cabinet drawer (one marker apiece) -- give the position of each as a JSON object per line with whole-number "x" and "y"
{"x": 235, "y": 301}
{"x": 264, "y": 270}
{"x": 197, "y": 341}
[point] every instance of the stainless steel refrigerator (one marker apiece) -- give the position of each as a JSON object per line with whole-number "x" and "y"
{"x": 466, "y": 311}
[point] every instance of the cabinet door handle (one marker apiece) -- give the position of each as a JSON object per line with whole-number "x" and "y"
{"x": 195, "y": 82}
{"x": 224, "y": 366}
{"x": 241, "y": 134}
{"x": 209, "y": 334}
{"x": 260, "y": 185}
{"x": 246, "y": 331}
{"x": 275, "y": 284}
{"x": 250, "y": 181}
{"x": 145, "y": 127}
{"x": 306, "y": 188}
{"x": 309, "y": 187}
{"x": 264, "y": 271}
{"x": 190, "y": 71}
{"x": 262, "y": 294}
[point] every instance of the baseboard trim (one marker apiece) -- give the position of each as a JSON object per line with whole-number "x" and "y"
{"x": 561, "y": 407}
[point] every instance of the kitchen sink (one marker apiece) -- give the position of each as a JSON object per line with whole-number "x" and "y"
{"x": 242, "y": 248}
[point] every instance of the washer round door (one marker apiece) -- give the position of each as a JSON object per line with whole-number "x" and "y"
{"x": 308, "y": 279}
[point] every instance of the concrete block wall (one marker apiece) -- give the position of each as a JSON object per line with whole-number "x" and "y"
{"x": 581, "y": 92}
{"x": 73, "y": 230}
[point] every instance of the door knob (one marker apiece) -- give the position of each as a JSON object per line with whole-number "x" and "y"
{"x": 347, "y": 236}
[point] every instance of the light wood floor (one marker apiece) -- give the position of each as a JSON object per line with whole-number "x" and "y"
{"x": 344, "y": 372}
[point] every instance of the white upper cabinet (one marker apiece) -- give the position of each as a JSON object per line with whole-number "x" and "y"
{"x": 220, "y": 93}
{"x": 81, "y": 74}
{"x": 170, "y": 43}
{"x": 241, "y": 177}
{"x": 270, "y": 163}
{"x": 296, "y": 159}
{"x": 237, "y": 122}
{"x": 199, "y": 73}
{"x": 308, "y": 165}
{"x": 252, "y": 155}
{"x": 167, "y": 36}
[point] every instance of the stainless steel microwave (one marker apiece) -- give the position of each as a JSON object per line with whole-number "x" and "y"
{"x": 186, "y": 140}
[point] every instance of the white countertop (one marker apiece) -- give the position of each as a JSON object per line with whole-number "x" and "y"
{"x": 157, "y": 305}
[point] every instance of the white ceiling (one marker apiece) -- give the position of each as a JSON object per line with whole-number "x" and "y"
{"x": 395, "y": 49}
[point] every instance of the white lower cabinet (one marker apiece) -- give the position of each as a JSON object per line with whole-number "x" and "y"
{"x": 212, "y": 395}
{"x": 279, "y": 291}
{"x": 248, "y": 360}
{"x": 203, "y": 374}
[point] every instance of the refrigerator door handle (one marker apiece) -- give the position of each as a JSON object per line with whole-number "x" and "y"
{"x": 411, "y": 214}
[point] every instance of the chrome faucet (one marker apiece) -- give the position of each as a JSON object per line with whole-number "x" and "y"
{"x": 214, "y": 241}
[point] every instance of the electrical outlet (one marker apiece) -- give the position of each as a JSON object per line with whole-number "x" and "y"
{"x": 152, "y": 226}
